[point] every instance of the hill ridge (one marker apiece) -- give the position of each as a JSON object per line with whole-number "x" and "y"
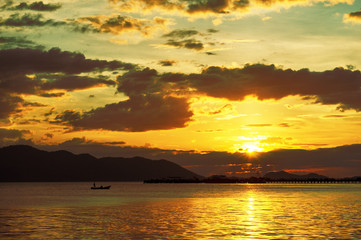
{"x": 26, "y": 163}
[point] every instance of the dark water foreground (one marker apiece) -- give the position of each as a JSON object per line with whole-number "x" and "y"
{"x": 180, "y": 211}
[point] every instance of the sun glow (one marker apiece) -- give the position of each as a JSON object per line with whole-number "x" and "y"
{"x": 251, "y": 148}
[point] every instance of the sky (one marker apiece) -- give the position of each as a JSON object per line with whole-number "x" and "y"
{"x": 235, "y": 87}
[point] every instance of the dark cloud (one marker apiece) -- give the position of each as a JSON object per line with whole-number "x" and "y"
{"x": 149, "y": 94}
{"x": 7, "y": 4}
{"x": 34, "y": 104}
{"x": 354, "y": 17}
{"x": 13, "y": 136}
{"x": 241, "y": 4}
{"x": 74, "y": 82}
{"x": 51, "y": 95}
{"x": 188, "y": 43}
{"x": 36, "y": 6}
{"x": 115, "y": 143}
{"x": 52, "y": 69}
{"x": 210, "y": 7}
{"x": 355, "y": 14}
{"x": 191, "y": 6}
{"x": 149, "y": 98}
{"x": 216, "y": 6}
{"x": 338, "y": 86}
{"x": 167, "y": 63}
{"x": 211, "y": 30}
{"x": 17, "y": 42}
{"x": 9, "y": 104}
{"x": 53, "y": 61}
{"x": 49, "y": 135}
{"x": 182, "y": 38}
{"x": 139, "y": 82}
{"x": 28, "y": 121}
{"x": 334, "y": 116}
{"x": 181, "y": 34}
{"x": 28, "y": 20}
{"x": 50, "y": 112}
{"x": 139, "y": 113}
{"x": 67, "y": 117}
{"x": 117, "y": 25}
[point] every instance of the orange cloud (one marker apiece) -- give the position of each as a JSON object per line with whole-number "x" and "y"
{"x": 354, "y": 17}
{"x": 119, "y": 24}
{"x": 211, "y": 7}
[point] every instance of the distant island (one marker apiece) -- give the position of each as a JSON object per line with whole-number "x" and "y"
{"x": 22, "y": 163}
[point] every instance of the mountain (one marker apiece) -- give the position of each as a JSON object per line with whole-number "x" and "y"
{"x": 25, "y": 163}
{"x": 282, "y": 175}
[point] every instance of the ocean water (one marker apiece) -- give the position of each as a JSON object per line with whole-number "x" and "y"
{"x": 180, "y": 211}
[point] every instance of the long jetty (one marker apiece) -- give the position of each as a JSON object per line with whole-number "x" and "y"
{"x": 256, "y": 180}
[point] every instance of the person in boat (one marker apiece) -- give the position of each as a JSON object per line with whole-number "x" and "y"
{"x": 94, "y": 184}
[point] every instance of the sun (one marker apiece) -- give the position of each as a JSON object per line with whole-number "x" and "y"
{"x": 251, "y": 148}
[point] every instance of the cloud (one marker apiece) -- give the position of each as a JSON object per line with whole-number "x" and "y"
{"x": 335, "y": 116}
{"x": 139, "y": 82}
{"x": 219, "y": 8}
{"x": 138, "y": 114}
{"x": 188, "y": 43}
{"x": 354, "y": 17}
{"x": 284, "y": 125}
{"x": 167, "y": 63}
{"x": 17, "y": 42}
{"x": 189, "y": 7}
{"x": 28, "y": 20}
{"x": 338, "y": 86}
{"x": 50, "y": 70}
{"x": 215, "y": 6}
{"x": 150, "y": 99}
{"x": 36, "y": 6}
{"x": 119, "y": 24}
{"x": 211, "y": 30}
{"x": 71, "y": 83}
{"x": 259, "y": 125}
{"x": 51, "y": 95}
{"x": 179, "y": 33}
{"x": 151, "y": 94}
{"x": 9, "y": 104}
{"x": 225, "y": 108}
{"x": 13, "y": 136}
{"x": 183, "y": 38}
{"x": 27, "y": 61}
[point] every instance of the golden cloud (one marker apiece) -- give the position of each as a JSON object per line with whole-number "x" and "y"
{"x": 354, "y": 17}
{"x": 116, "y": 25}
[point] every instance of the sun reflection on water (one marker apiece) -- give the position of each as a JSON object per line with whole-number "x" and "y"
{"x": 199, "y": 211}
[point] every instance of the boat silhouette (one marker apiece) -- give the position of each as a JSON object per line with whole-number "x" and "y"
{"x": 101, "y": 187}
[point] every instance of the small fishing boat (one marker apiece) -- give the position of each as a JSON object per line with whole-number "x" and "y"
{"x": 101, "y": 187}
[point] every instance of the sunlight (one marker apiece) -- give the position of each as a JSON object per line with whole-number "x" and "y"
{"x": 250, "y": 148}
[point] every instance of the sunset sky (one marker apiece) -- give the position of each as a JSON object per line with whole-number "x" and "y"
{"x": 237, "y": 87}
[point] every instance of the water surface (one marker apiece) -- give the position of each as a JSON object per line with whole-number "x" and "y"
{"x": 180, "y": 211}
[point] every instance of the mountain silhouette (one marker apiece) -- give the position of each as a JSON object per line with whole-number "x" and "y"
{"x": 282, "y": 175}
{"x": 26, "y": 163}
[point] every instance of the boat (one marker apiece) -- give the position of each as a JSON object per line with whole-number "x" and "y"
{"x": 101, "y": 187}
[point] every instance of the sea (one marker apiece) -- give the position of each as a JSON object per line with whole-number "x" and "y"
{"x": 133, "y": 210}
